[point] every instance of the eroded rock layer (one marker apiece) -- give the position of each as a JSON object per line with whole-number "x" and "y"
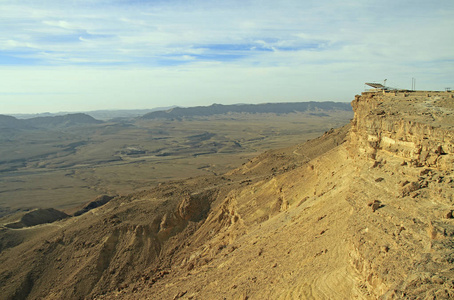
{"x": 363, "y": 212}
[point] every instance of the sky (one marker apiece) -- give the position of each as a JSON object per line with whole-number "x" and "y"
{"x": 81, "y": 55}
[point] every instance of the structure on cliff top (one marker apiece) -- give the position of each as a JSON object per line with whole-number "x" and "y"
{"x": 377, "y": 86}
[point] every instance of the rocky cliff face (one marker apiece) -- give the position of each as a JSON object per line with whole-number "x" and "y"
{"x": 404, "y": 143}
{"x": 414, "y": 126}
{"x": 363, "y": 212}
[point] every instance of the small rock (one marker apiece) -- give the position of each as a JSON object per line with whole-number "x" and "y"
{"x": 321, "y": 218}
{"x": 414, "y": 195}
{"x": 180, "y": 294}
{"x": 408, "y": 188}
{"x": 190, "y": 266}
{"x": 423, "y": 184}
{"x": 424, "y": 172}
{"x": 437, "y": 280}
{"x": 375, "y": 205}
{"x": 404, "y": 183}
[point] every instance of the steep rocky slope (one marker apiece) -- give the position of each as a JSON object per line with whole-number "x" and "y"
{"x": 365, "y": 212}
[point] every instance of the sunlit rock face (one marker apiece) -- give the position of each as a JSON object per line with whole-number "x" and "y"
{"x": 414, "y": 126}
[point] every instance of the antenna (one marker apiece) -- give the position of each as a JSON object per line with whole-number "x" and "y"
{"x": 413, "y": 84}
{"x": 384, "y": 83}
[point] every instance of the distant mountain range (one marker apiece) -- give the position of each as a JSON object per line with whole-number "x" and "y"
{"x": 9, "y": 122}
{"x": 103, "y": 115}
{"x": 47, "y": 120}
{"x": 219, "y": 109}
{"x": 12, "y": 122}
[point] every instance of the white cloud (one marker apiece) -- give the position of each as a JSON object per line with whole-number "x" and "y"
{"x": 208, "y": 50}
{"x": 60, "y": 24}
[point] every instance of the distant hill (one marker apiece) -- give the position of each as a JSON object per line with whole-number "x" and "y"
{"x": 69, "y": 120}
{"x": 62, "y": 121}
{"x": 219, "y": 109}
{"x": 104, "y": 115}
{"x": 8, "y": 122}
{"x": 123, "y": 113}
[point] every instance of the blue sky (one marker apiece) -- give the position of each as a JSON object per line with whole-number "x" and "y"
{"x": 118, "y": 54}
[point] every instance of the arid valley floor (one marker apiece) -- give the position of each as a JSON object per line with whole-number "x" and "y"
{"x": 61, "y": 163}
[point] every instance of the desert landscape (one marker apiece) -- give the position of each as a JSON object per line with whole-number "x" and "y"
{"x": 64, "y": 161}
{"x": 363, "y": 211}
{"x": 231, "y": 150}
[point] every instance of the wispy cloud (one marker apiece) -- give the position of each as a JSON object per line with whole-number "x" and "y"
{"x": 311, "y": 39}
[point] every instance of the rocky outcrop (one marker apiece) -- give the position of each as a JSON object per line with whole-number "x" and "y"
{"x": 414, "y": 126}
{"x": 37, "y": 217}
{"x": 403, "y": 147}
{"x": 99, "y": 201}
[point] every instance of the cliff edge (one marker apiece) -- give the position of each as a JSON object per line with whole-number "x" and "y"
{"x": 363, "y": 212}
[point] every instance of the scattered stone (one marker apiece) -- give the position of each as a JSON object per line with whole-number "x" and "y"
{"x": 180, "y": 294}
{"x": 414, "y": 195}
{"x": 321, "y": 252}
{"x": 244, "y": 297}
{"x": 411, "y": 187}
{"x": 423, "y": 184}
{"x": 431, "y": 231}
{"x": 190, "y": 266}
{"x": 424, "y": 172}
{"x": 448, "y": 215}
{"x": 321, "y": 218}
{"x": 404, "y": 183}
{"x": 375, "y": 205}
{"x": 379, "y": 179}
{"x": 437, "y": 280}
